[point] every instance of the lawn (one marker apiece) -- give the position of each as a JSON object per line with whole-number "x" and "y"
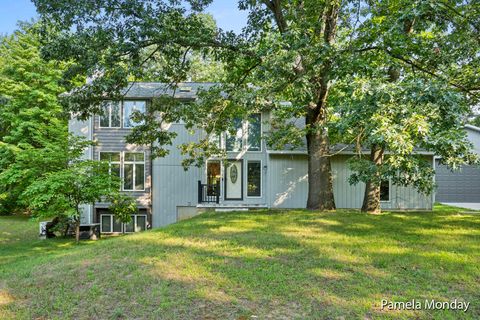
{"x": 248, "y": 265}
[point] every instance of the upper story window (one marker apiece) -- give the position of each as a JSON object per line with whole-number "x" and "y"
{"x": 246, "y": 133}
{"x": 134, "y": 171}
{"x": 234, "y": 142}
{"x": 112, "y": 111}
{"x": 110, "y": 117}
{"x": 254, "y": 125}
{"x": 129, "y": 107}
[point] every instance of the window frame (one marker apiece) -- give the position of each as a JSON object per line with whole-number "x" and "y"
{"x": 134, "y": 220}
{"x": 119, "y": 162}
{"x": 242, "y": 139}
{"x": 134, "y": 171}
{"x": 120, "y": 113}
{"x": 389, "y": 192}
{"x": 123, "y": 112}
{"x": 111, "y": 222}
{"x": 123, "y": 225}
{"x": 247, "y": 145}
{"x": 261, "y": 178}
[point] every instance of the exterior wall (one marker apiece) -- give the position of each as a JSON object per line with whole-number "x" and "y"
{"x": 288, "y": 185}
{"x": 171, "y": 193}
{"x": 172, "y": 186}
{"x": 113, "y": 140}
{"x": 463, "y": 185}
{"x": 83, "y": 129}
{"x": 473, "y": 134}
{"x": 175, "y": 191}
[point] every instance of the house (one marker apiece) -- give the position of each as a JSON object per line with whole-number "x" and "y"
{"x": 462, "y": 186}
{"x": 255, "y": 177}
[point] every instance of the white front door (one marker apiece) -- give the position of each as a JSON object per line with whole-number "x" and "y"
{"x": 234, "y": 180}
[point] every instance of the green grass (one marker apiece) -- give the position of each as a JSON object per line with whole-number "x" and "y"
{"x": 270, "y": 264}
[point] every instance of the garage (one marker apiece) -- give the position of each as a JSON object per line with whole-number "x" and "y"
{"x": 457, "y": 186}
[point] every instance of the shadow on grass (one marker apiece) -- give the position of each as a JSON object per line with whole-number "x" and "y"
{"x": 295, "y": 264}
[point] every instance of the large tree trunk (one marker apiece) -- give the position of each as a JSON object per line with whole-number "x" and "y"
{"x": 371, "y": 199}
{"x": 320, "y": 187}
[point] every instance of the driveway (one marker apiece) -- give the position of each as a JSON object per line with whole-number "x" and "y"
{"x": 466, "y": 205}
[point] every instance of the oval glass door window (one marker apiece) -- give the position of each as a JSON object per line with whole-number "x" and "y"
{"x": 233, "y": 173}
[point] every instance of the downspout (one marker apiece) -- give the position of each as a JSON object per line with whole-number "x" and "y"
{"x": 90, "y": 137}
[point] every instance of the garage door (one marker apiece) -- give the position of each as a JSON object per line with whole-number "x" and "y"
{"x": 457, "y": 186}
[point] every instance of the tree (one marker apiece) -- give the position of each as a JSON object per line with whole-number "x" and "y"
{"x": 33, "y": 126}
{"x": 82, "y": 182}
{"x": 395, "y": 121}
{"x": 295, "y": 51}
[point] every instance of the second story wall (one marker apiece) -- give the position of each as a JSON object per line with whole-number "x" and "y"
{"x": 110, "y": 137}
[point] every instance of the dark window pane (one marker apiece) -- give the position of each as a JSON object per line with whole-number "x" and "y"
{"x": 254, "y": 179}
{"x": 128, "y": 176}
{"x": 117, "y": 226}
{"x": 105, "y": 116}
{"x": 141, "y": 223}
{"x": 385, "y": 190}
{"x": 139, "y": 156}
{"x": 129, "y": 227}
{"x": 110, "y": 156}
{"x": 129, "y": 156}
{"x": 115, "y": 114}
{"x": 104, "y": 156}
{"x": 254, "y": 132}
{"x": 139, "y": 176}
{"x": 234, "y": 142}
{"x": 106, "y": 224}
{"x": 115, "y": 169}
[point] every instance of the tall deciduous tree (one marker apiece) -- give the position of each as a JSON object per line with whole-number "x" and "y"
{"x": 290, "y": 50}
{"x": 31, "y": 119}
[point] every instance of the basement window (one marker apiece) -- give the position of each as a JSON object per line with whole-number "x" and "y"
{"x": 108, "y": 224}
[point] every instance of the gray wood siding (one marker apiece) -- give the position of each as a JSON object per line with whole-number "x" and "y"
{"x": 288, "y": 185}
{"x": 288, "y": 181}
{"x": 113, "y": 140}
{"x": 173, "y": 186}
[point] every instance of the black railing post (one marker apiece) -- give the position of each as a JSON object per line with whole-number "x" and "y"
{"x": 217, "y": 191}
{"x": 200, "y": 191}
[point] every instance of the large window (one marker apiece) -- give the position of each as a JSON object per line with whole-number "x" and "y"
{"x": 110, "y": 117}
{"x": 234, "y": 142}
{"x": 108, "y": 224}
{"x": 129, "y": 108}
{"x": 254, "y": 179}
{"x": 134, "y": 171}
{"x": 113, "y": 158}
{"x": 246, "y": 133}
{"x": 385, "y": 190}
{"x": 254, "y": 125}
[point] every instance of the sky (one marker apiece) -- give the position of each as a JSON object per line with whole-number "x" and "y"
{"x": 224, "y": 11}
